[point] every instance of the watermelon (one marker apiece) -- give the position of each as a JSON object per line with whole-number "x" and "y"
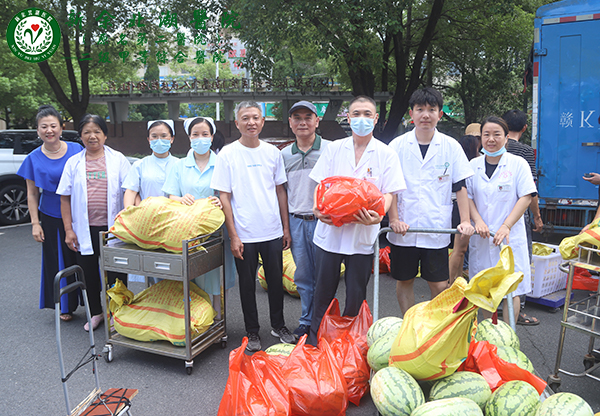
{"x": 500, "y": 334}
{"x": 514, "y": 398}
{"x": 515, "y": 356}
{"x": 395, "y": 392}
{"x": 378, "y": 355}
{"x": 462, "y": 384}
{"x": 561, "y": 404}
{"x": 383, "y": 326}
{"x": 449, "y": 407}
{"x": 280, "y": 349}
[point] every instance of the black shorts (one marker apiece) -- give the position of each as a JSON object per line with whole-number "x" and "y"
{"x": 404, "y": 262}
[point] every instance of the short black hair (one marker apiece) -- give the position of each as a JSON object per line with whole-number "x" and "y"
{"x": 362, "y": 98}
{"x": 47, "y": 111}
{"x": 218, "y": 141}
{"x": 515, "y": 119}
{"x": 93, "y": 118}
{"x": 160, "y": 123}
{"x": 426, "y": 95}
{"x": 470, "y": 145}
{"x": 496, "y": 120}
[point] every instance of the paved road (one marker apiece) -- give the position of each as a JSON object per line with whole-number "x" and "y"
{"x": 30, "y": 377}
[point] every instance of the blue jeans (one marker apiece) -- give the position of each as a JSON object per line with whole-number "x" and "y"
{"x": 303, "y": 251}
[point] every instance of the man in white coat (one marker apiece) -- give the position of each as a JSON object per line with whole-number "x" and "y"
{"x": 431, "y": 162}
{"x": 360, "y": 156}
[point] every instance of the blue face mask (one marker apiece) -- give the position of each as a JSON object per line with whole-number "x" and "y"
{"x": 160, "y": 146}
{"x": 494, "y": 154}
{"x": 362, "y": 126}
{"x": 201, "y": 145}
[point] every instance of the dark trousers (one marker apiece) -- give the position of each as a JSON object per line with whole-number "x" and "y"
{"x": 327, "y": 278}
{"x": 91, "y": 270}
{"x": 270, "y": 252}
{"x": 55, "y": 257}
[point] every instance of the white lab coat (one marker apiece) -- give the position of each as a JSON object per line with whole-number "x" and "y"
{"x": 427, "y": 201}
{"x": 495, "y": 198}
{"x": 73, "y": 182}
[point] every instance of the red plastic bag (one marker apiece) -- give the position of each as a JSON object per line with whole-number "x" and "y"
{"x": 316, "y": 382}
{"x": 341, "y": 197}
{"x": 333, "y": 325}
{"x": 483, "y": 359}
{"x": 256, "y": 386}
{"x": 583, "y": 280}
{"x": 354, "y": 367}
{"x": 384, "y": 260}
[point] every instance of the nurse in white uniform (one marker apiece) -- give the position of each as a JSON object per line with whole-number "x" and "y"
{"x": 188, "y": 180}
{"x": 147, "y": 176}
{"x": 499, "y": 193}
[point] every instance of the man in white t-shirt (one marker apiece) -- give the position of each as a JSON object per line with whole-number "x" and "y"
{"x": 360, "y": 156}
{"x": 250, "y": 176}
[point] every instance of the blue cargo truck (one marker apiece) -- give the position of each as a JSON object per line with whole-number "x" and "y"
{"x": 566, "y": 111}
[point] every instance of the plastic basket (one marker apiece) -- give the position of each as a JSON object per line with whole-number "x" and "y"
{"x": 546, "y": 277}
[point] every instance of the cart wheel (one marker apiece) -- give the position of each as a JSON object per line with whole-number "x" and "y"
{"x": 189, "y": 366}
{"x": 108, "y": 353}
{"x": 554, "y": 310}
{"x": 553, "y": 382}
{"x": 223, "y": 344}
{"x": 589, "y": 363}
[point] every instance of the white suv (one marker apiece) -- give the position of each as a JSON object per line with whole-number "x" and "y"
{"x": 15, "y": 145}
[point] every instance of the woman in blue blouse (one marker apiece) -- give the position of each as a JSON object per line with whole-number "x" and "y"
{"x": 42, "y": 168}
{"x": 188, "y": 180}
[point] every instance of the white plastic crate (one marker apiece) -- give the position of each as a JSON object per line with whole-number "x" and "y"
{"x": 546, "y": 277}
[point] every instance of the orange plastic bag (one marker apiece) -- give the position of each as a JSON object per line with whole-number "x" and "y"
{"x": 341, "y": 197}
{"x": 384, "y": 260}
{"x": 354, "y": 367}
{"x": 583, "y": 280}
{"x": 256, "y": 386}
{"x": 483, "y": 359}
{"x": 316, "y": 382}
{"x": 333, "y": 325}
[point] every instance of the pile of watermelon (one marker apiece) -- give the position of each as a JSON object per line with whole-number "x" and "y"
{"x": 395, "y": 392}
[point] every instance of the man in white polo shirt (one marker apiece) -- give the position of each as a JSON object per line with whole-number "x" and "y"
{"x": 360, "y": 156}
{"x": 299, "y": 159}
{"x": 250, "y": 176}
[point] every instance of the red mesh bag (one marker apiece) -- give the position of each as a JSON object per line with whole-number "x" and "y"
{"x": 341, "y": 197}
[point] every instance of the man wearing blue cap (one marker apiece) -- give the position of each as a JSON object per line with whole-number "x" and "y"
{"x": 299, "y": 159}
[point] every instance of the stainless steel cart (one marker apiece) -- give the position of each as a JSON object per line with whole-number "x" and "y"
{"x": 582, "y": 316}
{"x": 118, "y": 256}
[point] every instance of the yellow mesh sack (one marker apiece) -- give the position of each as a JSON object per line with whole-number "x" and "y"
{"x": 289, "y": 269}
{"x": 591, "y": 237}
{"x": 157, "y": 313}
{"x": 434, "y": 337}
{"x": 160, "y": 222}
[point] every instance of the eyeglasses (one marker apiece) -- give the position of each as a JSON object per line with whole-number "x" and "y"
{"x": 162, "y": 136}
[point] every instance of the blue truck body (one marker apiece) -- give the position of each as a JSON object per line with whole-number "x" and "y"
{"x": 566, "y": 111}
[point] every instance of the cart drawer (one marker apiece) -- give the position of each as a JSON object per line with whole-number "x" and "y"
{"x": 153, "y": 264}
{"x": 122, "y": 259}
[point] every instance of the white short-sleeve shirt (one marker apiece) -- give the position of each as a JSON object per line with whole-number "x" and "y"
{"x": 251, "y": 176}
{"x": 427, "y": 201}
{"x": 378, "y": 164}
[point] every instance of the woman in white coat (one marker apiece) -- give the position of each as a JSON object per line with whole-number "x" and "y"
{"x": 91, "y": 198}
{"x": 499, "y": 193}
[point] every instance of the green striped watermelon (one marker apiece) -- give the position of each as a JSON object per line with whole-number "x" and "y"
{"x": 514, "y": 356}
{"x": 515, "y": 398}
{"x": 280, "y": 349}
{"x": 383, "y": 326}
{"x": 500, "y": 334}
{"x": 562, "y": 404}
{"x": 379, "y": 353}
{"x": 449, "y": 407}
{"x": 462, "y": 384}
{"x": 395, "y": 392}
